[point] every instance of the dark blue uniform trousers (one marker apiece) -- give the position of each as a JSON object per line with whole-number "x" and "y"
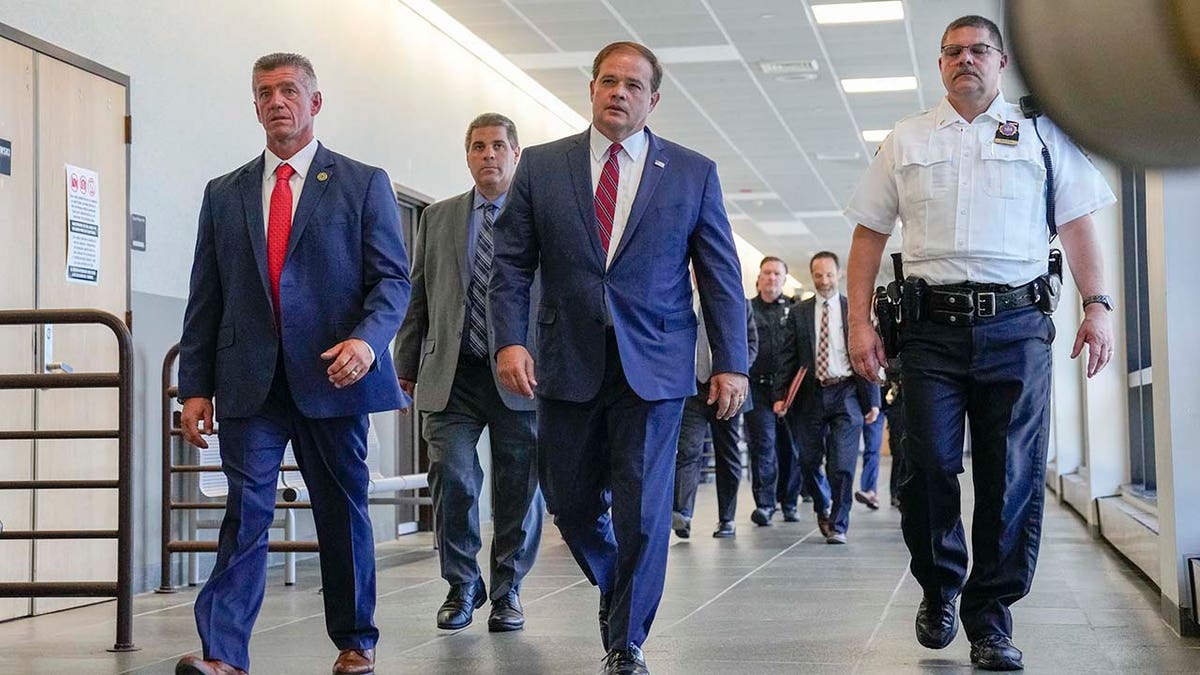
{"x": 456, "y": 478}
{"x": 828, "y": 429}
{"x": 697, "y": 417}
{"x": 331, "y": 454}
{"x": 896, "y": 431}
{"x": 996, "y": 375}
{"x": 616, "y": 450}
{"x": 773, "y": 455}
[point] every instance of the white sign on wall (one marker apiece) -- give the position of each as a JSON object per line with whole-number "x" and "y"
{"x": 83, "y": 225}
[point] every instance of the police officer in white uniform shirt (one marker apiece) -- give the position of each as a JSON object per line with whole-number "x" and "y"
{"x": 969, "y": 183}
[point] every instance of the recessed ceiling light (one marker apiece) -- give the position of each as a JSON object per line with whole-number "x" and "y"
{"x": 871, "y": 84}
{"x": 875, "y": 135}
{"x": 789, "y": 67}
{"x": 858, "y": 12}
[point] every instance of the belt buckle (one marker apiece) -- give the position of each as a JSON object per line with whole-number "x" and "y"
{"x": 985, "y": 304}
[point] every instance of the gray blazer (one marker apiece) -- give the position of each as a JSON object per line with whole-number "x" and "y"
{"x": 431, "y": 336}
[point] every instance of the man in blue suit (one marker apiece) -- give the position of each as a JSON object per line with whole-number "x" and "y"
{"x": 612, "y": 217}
{"x": 287, "y": 325}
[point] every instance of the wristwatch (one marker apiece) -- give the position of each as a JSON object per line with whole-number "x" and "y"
{"x": 1105, "y": 300}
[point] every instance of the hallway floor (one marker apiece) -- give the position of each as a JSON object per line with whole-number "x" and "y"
{"x": 772, "y": 600}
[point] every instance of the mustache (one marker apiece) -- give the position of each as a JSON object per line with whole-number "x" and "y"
{"x": 966, "y": 71}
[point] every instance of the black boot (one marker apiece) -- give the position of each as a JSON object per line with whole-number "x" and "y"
{"x": 937, "y": 623}
{"x": 995, "y": 652}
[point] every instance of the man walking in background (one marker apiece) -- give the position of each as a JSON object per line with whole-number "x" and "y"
{"x": 457, "y": 392}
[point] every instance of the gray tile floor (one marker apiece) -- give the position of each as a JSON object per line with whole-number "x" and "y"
{"x": 772, "y": 600}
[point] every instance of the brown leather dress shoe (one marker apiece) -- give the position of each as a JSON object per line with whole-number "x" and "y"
{"x": 194, "y": 665}
{"x": 354, "y": 662}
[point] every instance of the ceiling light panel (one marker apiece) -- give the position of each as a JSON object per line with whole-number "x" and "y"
{"x": 783, "y": 228}
{"x": 858, "y": 12}
{"x": 875, "y": 135}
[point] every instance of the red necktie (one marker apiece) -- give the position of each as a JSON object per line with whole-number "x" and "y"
{"x": 606, "y": 195}
{"x": 279, "y": 228}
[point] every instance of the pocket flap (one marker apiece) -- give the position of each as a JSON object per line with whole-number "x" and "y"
{"x": 547, "y": 314}
{"x": 679, "y": 320}
{"x": 923, "y": 155}
{"x": 428, "y": 345}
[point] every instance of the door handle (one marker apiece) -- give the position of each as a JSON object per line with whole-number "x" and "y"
{"x": 49, "y": 365}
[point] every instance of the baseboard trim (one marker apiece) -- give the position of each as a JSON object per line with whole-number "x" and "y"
{"x": 1133, "y": 532}
{"x": 1180, "y": 619}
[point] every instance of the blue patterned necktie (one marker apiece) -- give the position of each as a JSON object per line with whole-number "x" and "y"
{"x": 481, "y": 272}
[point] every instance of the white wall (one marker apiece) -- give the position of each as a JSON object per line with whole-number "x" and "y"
{"x": 1173, "y": 200}
{"x": 398, "y": 94}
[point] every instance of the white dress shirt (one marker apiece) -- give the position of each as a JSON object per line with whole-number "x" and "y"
{"x": 630, "y": 162}
{"x": 839, "y": 358}
{"x": 300, "y": 163}
{"x": 974, "y": 209}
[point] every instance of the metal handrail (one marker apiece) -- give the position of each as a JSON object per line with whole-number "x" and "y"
{"x": 170, "y": 430}
{"x": 122, "y": 380}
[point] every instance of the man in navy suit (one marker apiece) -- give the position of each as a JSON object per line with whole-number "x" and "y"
{"x": 287, "y": 325}
{"x": 833, "y": 402}
{"x": 613, "y": 217}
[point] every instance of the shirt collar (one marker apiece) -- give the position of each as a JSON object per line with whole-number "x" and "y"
{"x": 480, "y": 200}
{"x": 299, "y": 161}
{"x": 947, "y": 115}
{"x": 633, "y": 145}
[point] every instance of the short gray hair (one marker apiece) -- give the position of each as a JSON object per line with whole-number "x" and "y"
{"x": 284, "y": 60}
{"x": 492, "y": 119}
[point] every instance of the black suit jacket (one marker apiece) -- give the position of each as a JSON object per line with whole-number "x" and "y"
{"x": 804, "y": 355}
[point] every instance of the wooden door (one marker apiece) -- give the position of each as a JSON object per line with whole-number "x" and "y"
{"x": 17, "y": 292}
{"x": 80, "y": 123}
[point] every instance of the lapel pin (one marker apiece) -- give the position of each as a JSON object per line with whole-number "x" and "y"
{"x": 322, "y": 177}
{"x": 659, "y": 163}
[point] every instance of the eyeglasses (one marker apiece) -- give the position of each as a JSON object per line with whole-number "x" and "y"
{"x": 977, "y": 49}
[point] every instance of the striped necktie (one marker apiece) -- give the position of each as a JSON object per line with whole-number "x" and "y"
{"x": 481, "y": 272}
{"x": 606, "y": 195}
{"x": 823, "y": 344}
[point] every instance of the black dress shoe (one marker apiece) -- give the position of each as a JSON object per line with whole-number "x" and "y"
{"x": 605, "y": 600}
{"x": 995, "y": 652}
{"x": 790, "y": 516}
{"x": 628, "y": 661}
{"x": 937, "y": 623}
{"x": 459, "y": 608}
{"x": 506, "y": 614}
{"x": 761, "y": 516}
{"x": 725, "y": 529}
